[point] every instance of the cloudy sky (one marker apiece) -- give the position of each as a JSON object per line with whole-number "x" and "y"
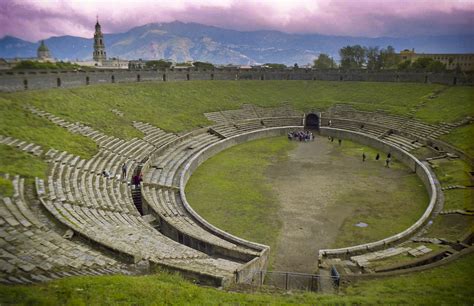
{"x": 36, "y": 19}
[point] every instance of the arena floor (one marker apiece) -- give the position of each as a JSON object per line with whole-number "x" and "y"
{"x": 324, "y": 192}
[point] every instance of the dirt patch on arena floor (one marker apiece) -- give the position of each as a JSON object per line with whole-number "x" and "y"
{"x": 317, "y": 188}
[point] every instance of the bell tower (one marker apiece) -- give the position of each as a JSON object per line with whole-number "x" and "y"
{"x": 99, "y": 54}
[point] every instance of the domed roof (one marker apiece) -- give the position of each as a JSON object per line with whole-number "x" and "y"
{"x": 43, "y": 47}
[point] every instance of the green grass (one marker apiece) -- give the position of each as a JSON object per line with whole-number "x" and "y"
{"x": 230, "y": 190}
{"x": 384, "y": 210}
{"x": 447, "y": 285}
{"x": 179, "y": 106}
{"x": 459, "y": 199}
{"x": 17, "y": 122}
{"x": 450, "y": 227}
{"x": 452, "y": 172}
{"x": 462, "y": 138}
{"x": 21, "y": 163}
{"x": 6, "y": 187}
{"x": 452, "y": 104}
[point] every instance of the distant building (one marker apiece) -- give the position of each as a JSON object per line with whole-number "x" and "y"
{"x": 99, "y": 54}
{"x": 43, "y": 52}
{"x": 137, "y": 64}
{"x": 462, "y": 61}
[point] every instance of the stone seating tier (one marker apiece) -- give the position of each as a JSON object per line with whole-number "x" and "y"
{"x": 167, "y": 204}
{"x": 165, "y": 167}
{"x": 25, "y": 146}
{"x": 405, "y": 143}
{"x": 31, "y": 252}
{"x": 154, "y": 135}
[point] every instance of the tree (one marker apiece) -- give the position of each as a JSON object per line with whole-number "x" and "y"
{"x": 373, "y": 58}
{"x": 388, "y": 58}
{"x": 405, "y": 65}
{"x": 46, "y": 65}
{"x": 324, "y": 62}
{"x": 421, "y": 63}
{"x": 436, "y": 66}
{"x": 160, "y": 64}
{"x": 203, "y": 65}
{"x": 275, "y": 66}
{"x": 352, "y": 57}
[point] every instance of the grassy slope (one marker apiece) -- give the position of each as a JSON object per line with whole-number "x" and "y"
{"x": 24, "y": 164}
{"x": 451, "y": 284}
{"x": 180, "y": 106}
{"x": 451, "y": 105}
{"x": 455, "y": 172}
{"x": 462, "y": 138}
{"x": 229, "y": 190}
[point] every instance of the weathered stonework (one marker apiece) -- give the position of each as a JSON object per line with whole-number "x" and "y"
{"x": 41, "y": 79}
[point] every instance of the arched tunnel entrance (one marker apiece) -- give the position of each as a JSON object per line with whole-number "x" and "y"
{"x": 312, "y": 121}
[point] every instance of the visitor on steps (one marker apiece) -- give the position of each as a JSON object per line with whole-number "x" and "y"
{"x": 387, "y": 162}
{"x": 363, "y": 157}
{"x": 339, "y": 140}
{"x": 377, "y": 157}
{"x": 124, "y": 171}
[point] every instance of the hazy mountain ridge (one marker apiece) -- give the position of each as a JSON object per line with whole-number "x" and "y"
{"x": 191, "y": 41}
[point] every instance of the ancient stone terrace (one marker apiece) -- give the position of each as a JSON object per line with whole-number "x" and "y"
{"x": 25, "y": 146}
{"x": 403, "y": 132}
{"x": 161, "y": 193}
{"x": 31, "y": 251}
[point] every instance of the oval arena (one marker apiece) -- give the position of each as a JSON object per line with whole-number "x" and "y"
{"x": 82, "y": 221}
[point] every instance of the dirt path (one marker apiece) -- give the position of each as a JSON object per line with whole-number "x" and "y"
{"x": 309, "y": 187}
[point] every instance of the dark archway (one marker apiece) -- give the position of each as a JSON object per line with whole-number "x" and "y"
{"x": 312, "y": 121}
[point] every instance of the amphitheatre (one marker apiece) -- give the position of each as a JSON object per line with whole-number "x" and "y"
{"x": 226, "y": 199}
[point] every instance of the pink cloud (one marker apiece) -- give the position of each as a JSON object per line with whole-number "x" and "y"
{"x": 33, "y": 19}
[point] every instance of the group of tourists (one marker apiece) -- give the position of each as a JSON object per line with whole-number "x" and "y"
{"x": 301, "y": 136}
{"x": 136, "y": 179}
{"x": 377, "y": 157}
{"x": 331, "y": 139}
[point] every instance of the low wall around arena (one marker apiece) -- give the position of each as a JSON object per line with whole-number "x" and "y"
{"x": 19, "y": 80}
{"x": 410, "y": 161}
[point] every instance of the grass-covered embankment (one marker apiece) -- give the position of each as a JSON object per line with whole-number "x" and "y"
{"x": 447, "y": 285}
{"x": 179, "y": 106}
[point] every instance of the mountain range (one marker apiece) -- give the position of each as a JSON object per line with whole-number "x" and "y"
{"x": 180, "y": 42}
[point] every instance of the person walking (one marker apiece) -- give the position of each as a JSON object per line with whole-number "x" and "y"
{"x": 387, "y": 162}
{"x": 124, "y": 170}
{"x": 363, "y": 157}
{"x": 339, "y": 140}
{"x": 377, "y": 157}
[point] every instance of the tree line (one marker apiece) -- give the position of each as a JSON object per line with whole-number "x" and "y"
{"x": 375, "y": 58}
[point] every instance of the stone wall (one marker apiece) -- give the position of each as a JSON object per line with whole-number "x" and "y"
{"x": 38, "y": 79}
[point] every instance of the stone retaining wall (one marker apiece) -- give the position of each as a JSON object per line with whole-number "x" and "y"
{"x": 409, "y": 160}
{"x": 18, "y": 80}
